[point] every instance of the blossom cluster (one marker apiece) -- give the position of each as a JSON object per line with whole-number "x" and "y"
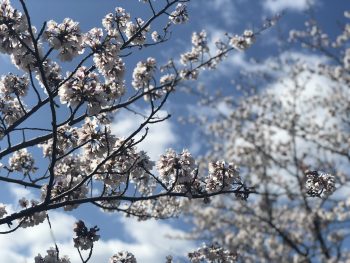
{"x": 143, "y": 73}
{"x": 136, "y": 31}
{"x": 18, "y": 23}
{"x": 140, "y": 173}
{"x": 106, "y": 57}
{"x": 13, "y": 23}
{"x": 12, "y": 86}
{"x": 34, "y": 219}
{"x": 123, "y": 257}
{"x": 84, "y": 237}
{"x": 160, "y": 208}
{"x": 211, "y": 254}
{"x": 222, "y": 176}
{"x": 95, "y": 140}
{"x": 155, "y": 36}
{"x": 51, "y": 257}
{"x": 65, "y": 37}
{"x": 117, "y": 22}
{"x": 67, "y": 138}
{"x": 319, "y": 183}
{"x": 85, "y": 87}
{"x": 244, "y": 41}
{"x": 11, "y": 110}
{"x": 22, "y": 161}
{"x": 68, "y": 174}
{"x": 177, "y": 169}
{"x": 12, "y": 89}
{"x": 127, "y": 164}
{"x": 179, "y": 15}
{"x": 51, "y": 75}
{"x": 199, "y": 47}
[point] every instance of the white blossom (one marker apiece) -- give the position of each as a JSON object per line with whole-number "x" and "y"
{"x": 222, "y": 176}
{"x": 8, "y": 41}
{"x": 34, "y": 219}
{"x": 85, "y": 87}
{"x": 143, "y": 73}
{"x": 51, "y": 257}
{"x": 93, "y": 38}
{"x": 109, "y": 64}
{"x": 115, "y": 22}
{"x": 13, "y": 85}
{"x": 123, "y": 257}
{"x": 95, "y": 140}
{"x": 84, "y": 237}
{"x": 65, "y": 37}
{"x": 179, "y": 15}
{"x": 136, "y": 31}
{"x": 155, "y": 36}
{"x": 11, "y": 110}
{"x": 179, "y": 169}
{"x": 211, "y": 254}
{"x": 68, "y": 174}
{"x": 67, "y": 138}
{"x": 22, "y": 161}
{"x": 319, "y": 183}
{"x": 244, "y": 41}
{"x": 52, "y": 73}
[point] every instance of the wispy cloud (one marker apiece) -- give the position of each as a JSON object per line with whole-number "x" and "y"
{"x": 160, "y": 135}
{"x": 275, "y": 6}
{"x": 227, "y": 10}
{"x": 18, "y": 192}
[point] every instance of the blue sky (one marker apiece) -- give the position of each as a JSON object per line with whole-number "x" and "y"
{"x": 146, "y": 240}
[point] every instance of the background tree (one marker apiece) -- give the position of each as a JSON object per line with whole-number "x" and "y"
{"x": 289, "y": 134}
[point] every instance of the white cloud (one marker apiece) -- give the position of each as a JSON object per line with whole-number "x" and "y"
{"x": 19, "y": 191}
{"x": 151, "y": 238}
{"x": 275, "y": 6}
{"x": 226, "y": 9}
{"x": 17, "y": 245}
{"x": 160, "y": 135}
{"x": 238, "y": 61}
{"x": 150, "y": 243}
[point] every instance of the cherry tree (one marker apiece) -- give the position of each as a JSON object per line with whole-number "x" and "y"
{"x": 289, "y": 133}
{"x": 83, "y": 161}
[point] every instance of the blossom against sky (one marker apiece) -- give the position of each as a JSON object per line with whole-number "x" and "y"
{"x": 217, "y": 16}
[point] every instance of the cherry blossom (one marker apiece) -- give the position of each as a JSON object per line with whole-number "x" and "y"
{"x": 79, "y": 82}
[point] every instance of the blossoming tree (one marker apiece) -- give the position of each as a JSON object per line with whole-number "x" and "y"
{"x": 291, "y": 140}
{"x": 84, "y": 162}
